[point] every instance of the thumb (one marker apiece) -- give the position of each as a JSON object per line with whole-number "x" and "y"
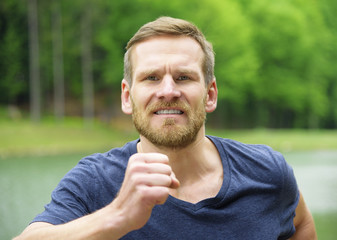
{"x": 174, "y": 181}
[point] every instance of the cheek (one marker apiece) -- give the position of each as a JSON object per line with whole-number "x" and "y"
{"x": 196, "y": 97}
{"x": 140, "y": 98}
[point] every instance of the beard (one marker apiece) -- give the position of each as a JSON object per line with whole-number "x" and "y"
{"x": 170, "y": 134}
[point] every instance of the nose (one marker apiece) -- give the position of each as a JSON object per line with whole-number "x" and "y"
{"x": 168, "y": 89}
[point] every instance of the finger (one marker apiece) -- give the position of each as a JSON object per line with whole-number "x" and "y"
{"x": 156, "y": 158}
{"x": 158, "y": 168}
{"x": 141, "y": 167}
{"x": 150, "y": 158}
{"x": 162, "y": 195}
{"x": 155, "y": 194}
{"x": 174, "y": 181}
{"x": 155, "y": 180}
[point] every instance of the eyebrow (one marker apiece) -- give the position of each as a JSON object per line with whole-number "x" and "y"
{"x": 187, "y": 71}
{"x": 148, "y": 71}
{"x": 181, "y": 70}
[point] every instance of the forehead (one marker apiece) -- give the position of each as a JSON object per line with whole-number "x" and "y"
{"x": 163, "y": 50}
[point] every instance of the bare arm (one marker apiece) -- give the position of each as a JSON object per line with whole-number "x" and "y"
{"x": 147, "y": 181}
{"x": 304, "y": 223}
{"x": 88, "y": 227}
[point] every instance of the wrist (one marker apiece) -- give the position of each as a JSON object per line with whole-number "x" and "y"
{"x": 114, "y": 221}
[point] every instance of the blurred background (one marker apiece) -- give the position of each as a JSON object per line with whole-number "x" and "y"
{"x": 61, "y": 63}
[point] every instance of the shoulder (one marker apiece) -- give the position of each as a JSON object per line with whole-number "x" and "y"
{"x": 265, "y": 171}
{"x": 99, "y": 167}
{"x": 240, "y": 149}
{"x": 116, "y": 156}
{"x": 97, "y": 176}
{"x": 251, "y": 158}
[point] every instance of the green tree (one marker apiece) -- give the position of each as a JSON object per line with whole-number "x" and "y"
{"x": 329, "y": 9}
{"x": 275, "y": 60}
{"x": 13, "y": 52}
{"x": 34, "y": 62}
{"x": 289, "y": 38}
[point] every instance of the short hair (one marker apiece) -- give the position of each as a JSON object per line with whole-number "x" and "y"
{"x": 175, "y": 27}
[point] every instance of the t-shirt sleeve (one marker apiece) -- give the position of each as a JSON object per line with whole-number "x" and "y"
{"x": 289, "y": 198}
{"x": 72, "y": 196}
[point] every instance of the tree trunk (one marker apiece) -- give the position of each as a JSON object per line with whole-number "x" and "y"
{"x": 34, "y": 69}
{"x": 87, "y": 75}
{"x": 58, "y": 72}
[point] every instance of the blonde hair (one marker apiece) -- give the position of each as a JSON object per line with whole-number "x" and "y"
{"x": 175, "y": 27}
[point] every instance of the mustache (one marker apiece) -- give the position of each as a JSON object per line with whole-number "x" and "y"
{"x": 155, "y": 106}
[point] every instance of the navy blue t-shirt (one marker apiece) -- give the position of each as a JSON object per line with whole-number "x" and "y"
{"x": 257, "y": 199}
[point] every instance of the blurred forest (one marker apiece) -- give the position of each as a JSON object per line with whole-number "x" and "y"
{"x": 276, "y": 61}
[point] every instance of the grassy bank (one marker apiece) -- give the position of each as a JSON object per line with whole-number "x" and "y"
{"x": 18, "y": 138}
{"x": 21, "y": 137}
{"x": 284, "y": 139}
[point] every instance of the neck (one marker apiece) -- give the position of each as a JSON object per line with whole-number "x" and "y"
{"x": 191, "y": 162}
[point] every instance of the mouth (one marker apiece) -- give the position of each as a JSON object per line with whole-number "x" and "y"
{"x": 169, "y": 111}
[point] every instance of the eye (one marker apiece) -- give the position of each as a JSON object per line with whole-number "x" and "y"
{"x": 183, "y": 77}
{"x": 152, "y": 78}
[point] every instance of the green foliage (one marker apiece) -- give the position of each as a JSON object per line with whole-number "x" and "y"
{"x": 13, "y": 52}
{"x": 291, "y": 76}
{"x": 275, "y": 60}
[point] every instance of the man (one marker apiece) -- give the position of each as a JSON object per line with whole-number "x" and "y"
{"x": 175, "y": 182}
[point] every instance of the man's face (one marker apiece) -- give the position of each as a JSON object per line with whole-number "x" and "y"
{"x": 168, "y": 92}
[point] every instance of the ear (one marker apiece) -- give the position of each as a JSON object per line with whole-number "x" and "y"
{"x": 212, "y": 96}
{"x": 126, "y": 98}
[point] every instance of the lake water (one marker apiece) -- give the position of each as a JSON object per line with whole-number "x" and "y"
{"x": 316, "y": 174}
{"x": 26, "y": 184}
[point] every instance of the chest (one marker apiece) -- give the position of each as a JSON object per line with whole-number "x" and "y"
{"x": 198, "y": 221}
{"x": 206, "y": 187}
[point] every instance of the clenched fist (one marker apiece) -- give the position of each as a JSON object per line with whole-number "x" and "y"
{"x": 147, "y": 181}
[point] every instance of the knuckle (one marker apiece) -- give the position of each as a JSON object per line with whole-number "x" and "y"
{"x": 134, "y": 167}
{"x": 165, "y": 191}
{"x": 137, "y": 167}
{"x": 136, "y": 179}
{"x": 143, "y": 192}
{"x": 133, "y": 158}
{"x": 137, "y": 157}
{"x": 168, "y": 170}
{"x": 167, "y": 180}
